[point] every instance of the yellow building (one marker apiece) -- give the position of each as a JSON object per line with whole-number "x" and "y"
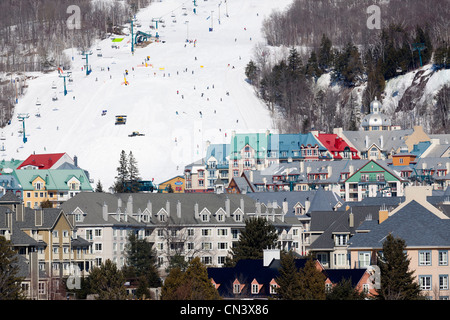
{"x": 177, "y": 185}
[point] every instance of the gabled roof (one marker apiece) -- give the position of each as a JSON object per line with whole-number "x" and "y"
{"x": 41, "y": 161}
{"x": 55, "y": 179}
{"x": 334, "y": 143}
{"x": 413, "y": 223}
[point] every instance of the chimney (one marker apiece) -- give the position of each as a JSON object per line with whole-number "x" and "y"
{"x": 302, "y": 166}
{"x": 285, "y": 206}
{"x": 381, "y": 142}
{"x": 258, "y": 207}
{"x": 242, "y": 204}
{"x": 447, "y": 167}
{"x": 38, "y": 217}
{"x": 227, "y": 206}
{"x": 424, "y": 165}
{"x": 149, "y": 206}
{"x": 179, "y": 209}
{"x": 105, "y": 211}
{"x": 20, "y": 209}
{"x": 351, "y": 169}
{"x": 75, "y": 161}
{"x": 330, "y": 171}
{"x": 269, "y": 255}
{"x": 168, "y": 208}
{"x": 196, "y": 210}
{"x": 119, "y": 202}
{"x": 250, "y": 175}
{"x": 383, "y": 214}
{"x": 130, "y": 205}
{"x": 367, "y": 142}
{"x": 351, "y": 220}
{"x": 307, "y": 205}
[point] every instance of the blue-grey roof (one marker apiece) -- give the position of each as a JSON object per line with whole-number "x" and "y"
{"x": 413, "y": 223}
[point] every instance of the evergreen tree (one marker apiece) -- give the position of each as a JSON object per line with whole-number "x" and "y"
{"x": 122, "y": 174}
{"x": 142, "y": 291}
{"x": 172, "y": 284}
{"x": 312, "y": 68}
{"x": 312, "y": 281}
{"x": 289, "y": 279}
{"x": 295, "y": 64}
{"x": 201, "y": 287}
{"x": 325, "y": 56}
{"x": 99, "y": 187}
{"x": 10, "y": 288}
{"x": 348, "y": 66}
{"x": 251, "y": 71}
{"x": 193, "y": 284}
{"x": 141, "y": 261}
{"x": 397, "y": 281}
{"x": 423, "y": 37}
{"x": 258, "y": 234}
{"x": 133, "y": 174}
{"x": 344, "y": 290}
{"x": 107, "y": 281}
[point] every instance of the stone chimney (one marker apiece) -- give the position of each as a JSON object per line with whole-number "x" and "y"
{"x": 307, "y": 205}
{"x": 179, "y": 209}
{"x": 351, "y": 220}
{"x": 196, "y": 210}
{"x": 168, "y": 208}
{"x": 285, "y": 206}
{"x": 149, "y": 206}
{"x": 227, "y": 206}
{"x": 130, "y": 205}
{"x": 38, "y": 217}
{"x": 105, "y": 211}
{"x": 242, "y": 204}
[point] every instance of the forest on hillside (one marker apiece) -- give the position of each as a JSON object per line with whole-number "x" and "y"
{"x": 332, "y": 37}
{"x": 34, "y": 34}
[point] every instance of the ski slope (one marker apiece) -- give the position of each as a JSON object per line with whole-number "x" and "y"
{"x": 180, "y": 77}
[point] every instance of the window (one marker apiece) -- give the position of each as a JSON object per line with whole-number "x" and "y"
{"x": 222, "y": 232}
{"x": 205, "y": 217}
{"x": 424, "y": 258}
{"x": 98, "y": 232}
{"x": 255, "y": 288}
{"x": 222, "y": 245}
{"x": 207, "y": 260}
{"x": 207, "y": 246}
{"x": 443, "y": 258}
{"x": 206, "y": 232}
{"x": 425, "y": 283}
{"x": 443, "y": 282}
{"x": 38, "y": 186}
{"x": 41, "y": 288}
{"x": 340, "y": 259}
{"x": 237, "y": 288}
{"x": 221, "y": 260}
{"x": 190, "y": 232}
{"x": 364, "y": 259}
{"x": 340, "y": 239}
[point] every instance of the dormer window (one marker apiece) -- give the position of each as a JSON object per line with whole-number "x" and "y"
{"x": 38, "y": 186}
{"x": 340, "y": 239}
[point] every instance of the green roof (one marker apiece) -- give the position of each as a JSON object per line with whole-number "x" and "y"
{"x": 55, "y": 179}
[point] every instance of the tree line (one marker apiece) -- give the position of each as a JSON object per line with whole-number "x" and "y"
{"x": 289, "y": 84}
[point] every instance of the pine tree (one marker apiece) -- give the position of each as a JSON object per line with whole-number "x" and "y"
{"x": 10, "y": 288}
{"x": 251, "y": 71}
{"x": 325, "y": 56}
{"x": 344, "y": 290}
{"x": 99, "y": 187}
{"x": 295, "y": 64}
{"x": 258, "y": 234}
{"x": 289, "y": 279}
{"x": 141, "y": 260}
{"x": 312, "y": 281}
{"x": 312, "y": 68}
{"x": 397, "y": 281}
{"x": 122, "y": 174}
{"x": 107, "y": 281}
{"x": 201, "y": 287}
{"x": 133, "y": 174}
{"x": 193, "y": 284}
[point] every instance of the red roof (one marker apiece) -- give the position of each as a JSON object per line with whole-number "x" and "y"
{"x": 42, "y": 161}
{"x": 334, "y": 143}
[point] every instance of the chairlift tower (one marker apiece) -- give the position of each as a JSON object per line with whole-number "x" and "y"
{"x": 132, "y": 36}
{"x": 419, "y": 47}
{"x": 86, "y": 55}
{"x": 22, "y": 117}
